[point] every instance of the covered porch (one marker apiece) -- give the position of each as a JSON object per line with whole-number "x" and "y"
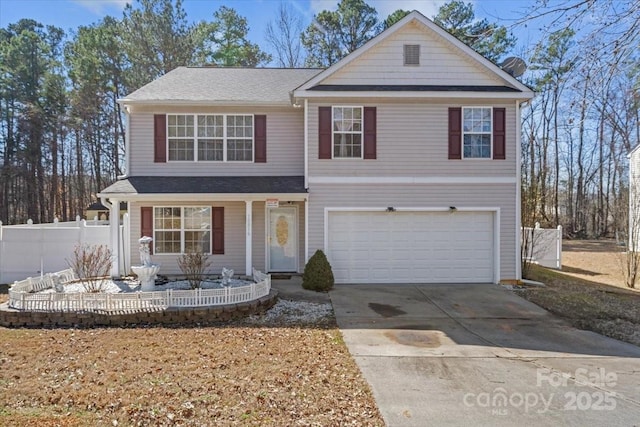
{"x": 243, "y": 222}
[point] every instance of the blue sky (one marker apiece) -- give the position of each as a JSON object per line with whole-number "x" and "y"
{"x": 69, "y": 14}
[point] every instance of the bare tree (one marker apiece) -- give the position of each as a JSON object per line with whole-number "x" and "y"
{"x": 283, "y": 34}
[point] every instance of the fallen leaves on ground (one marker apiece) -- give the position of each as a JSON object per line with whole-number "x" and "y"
{"x": 607, "y": 310}
{"x": 236, "y": 374}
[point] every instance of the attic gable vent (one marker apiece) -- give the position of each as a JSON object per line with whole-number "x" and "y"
{"x": 411, "y": 54}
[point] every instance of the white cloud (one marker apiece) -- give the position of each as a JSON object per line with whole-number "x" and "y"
{"x": 102, "y": 7}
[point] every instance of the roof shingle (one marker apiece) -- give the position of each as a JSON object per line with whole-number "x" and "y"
{"x": 224, "y": 85}
{"x": 206, "y": 185}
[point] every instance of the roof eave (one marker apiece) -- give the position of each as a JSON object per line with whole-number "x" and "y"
{"x": 187, "y": 102}
{"x": 199, "y": 197}
{"x": 414, "y": 94}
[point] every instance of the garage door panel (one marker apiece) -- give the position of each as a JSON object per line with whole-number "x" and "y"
{"x": 411, "y": 247}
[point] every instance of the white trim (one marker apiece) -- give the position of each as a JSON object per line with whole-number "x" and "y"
{"x": 518, "y": 193}
{"x": 248, "y": 237}
{"x": 114, "y": 233}
{"x": 204, "y": 103}
{"x": 306, "y": 143}
{"x": 413, "y": 179}
{"x": 267, "y": 227}
{"x": 182, "y": 229}
{"x": 494, "y": 210}
{"x": 415, "y": 94}
{"x": 306, "y": 232}
{"x": 127, "y": 138}
{"x": 196, "y": 138}
{"x": 426, "y": 22}
{"x": 200, "y": 197}
{"x": 361, "y": 133}
{"x": 473, "y": 107}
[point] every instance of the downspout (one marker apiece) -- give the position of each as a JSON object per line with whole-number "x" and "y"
{"x": 306, "y": 180}
{"x": 306, "y": 143}
{"x": 127, "y": 138}
{"x": 519, "y": 190}
{"x": 114, "y": 233}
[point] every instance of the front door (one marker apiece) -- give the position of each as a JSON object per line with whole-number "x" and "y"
{"x": 282, "y": 239}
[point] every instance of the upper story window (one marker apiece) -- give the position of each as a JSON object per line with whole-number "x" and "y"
{"x": 476, "y": 132}
{"x": 210, "y": 137}
{"x": 347, "y": 132}
{"x": 411, "y": 54}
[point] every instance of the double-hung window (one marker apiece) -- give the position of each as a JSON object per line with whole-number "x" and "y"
{"x": 347, "y": 132}
{"x": 210, "y": 137}
{"x": 180, "y": 230}
{"x": 476, "y": 132}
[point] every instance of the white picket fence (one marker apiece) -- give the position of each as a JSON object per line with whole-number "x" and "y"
{"x": 30, "y": 250}
{"x": 24, "y": 295}
{"x": 544, "y": 247}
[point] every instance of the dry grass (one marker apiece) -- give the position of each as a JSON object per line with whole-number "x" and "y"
{"x": 595, "y": 260}
{"x": 602, "y": 308}
{"x": 232, "y": 375}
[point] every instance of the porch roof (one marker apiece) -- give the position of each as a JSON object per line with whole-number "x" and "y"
{"x": 181, "y": 187}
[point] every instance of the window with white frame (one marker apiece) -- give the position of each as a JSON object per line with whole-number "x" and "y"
{"x": 210, "y": 137}
{"x": 178, "y": 230}
{"x": 347, "y": 132}
{"x": 476, "y": 132}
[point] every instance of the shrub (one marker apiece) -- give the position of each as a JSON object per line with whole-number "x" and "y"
{"x": 91, "y": 264}
{"x": 317, "y": 274}
{"x": 194, "y": 265}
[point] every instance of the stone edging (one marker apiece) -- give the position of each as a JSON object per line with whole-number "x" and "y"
{"x": 170, "y": 317}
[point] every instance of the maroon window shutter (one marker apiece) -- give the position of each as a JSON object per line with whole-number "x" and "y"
{"x": 217, "y": 230}
{"x": 146, "y": 223}
{"x": 499, "y": 134}
{"x": 369, "y": 132}
{"x": 160, "y": 138}
{"x": 324, "y": 132}
{"x": 455, "y": 133}
{"x": 260, "y": 123}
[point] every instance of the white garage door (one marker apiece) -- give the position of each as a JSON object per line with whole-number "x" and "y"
{"x": 411, "y": 247}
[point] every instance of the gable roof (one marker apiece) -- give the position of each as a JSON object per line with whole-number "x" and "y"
{"x": 314, "y": 82}
{"x": 211, "y": 85}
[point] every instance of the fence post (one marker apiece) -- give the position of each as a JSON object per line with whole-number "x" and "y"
{"x": 82, "y": 230}
{"x": 559, "y": 248}
{"x": 1, "y": 253}
{"x": 42, "y": 240}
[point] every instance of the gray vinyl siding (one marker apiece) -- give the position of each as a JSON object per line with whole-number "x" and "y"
{"x": 502, "y": 196}
{"x": 234, "y": 237}
{"x": 412, "y": 140}
{"x": 285, "y": 144}
{"x": 440, "y": 63}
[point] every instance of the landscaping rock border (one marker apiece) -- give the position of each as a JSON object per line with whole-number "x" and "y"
{"x": 192, "y": 316}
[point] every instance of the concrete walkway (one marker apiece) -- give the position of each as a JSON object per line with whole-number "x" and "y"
{"x": 480, "y": 355}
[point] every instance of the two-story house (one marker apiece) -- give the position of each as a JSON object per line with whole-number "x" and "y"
{"x": 401, "y": 162}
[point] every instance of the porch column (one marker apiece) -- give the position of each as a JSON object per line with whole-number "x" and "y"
{"x": 249, "y": 234}
{"x": 114, "y": 233}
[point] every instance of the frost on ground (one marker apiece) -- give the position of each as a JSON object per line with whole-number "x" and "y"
{"x": 294, "y": 312}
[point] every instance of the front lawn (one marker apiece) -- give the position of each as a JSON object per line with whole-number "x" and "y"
{"x": 238, "y": 374}
{"x": 607, "y": 310}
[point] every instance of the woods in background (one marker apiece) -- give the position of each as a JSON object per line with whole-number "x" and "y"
{"x": 62, "y": 130}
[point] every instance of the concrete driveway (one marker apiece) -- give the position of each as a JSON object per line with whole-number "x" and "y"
{"x": 480, "y": 355}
